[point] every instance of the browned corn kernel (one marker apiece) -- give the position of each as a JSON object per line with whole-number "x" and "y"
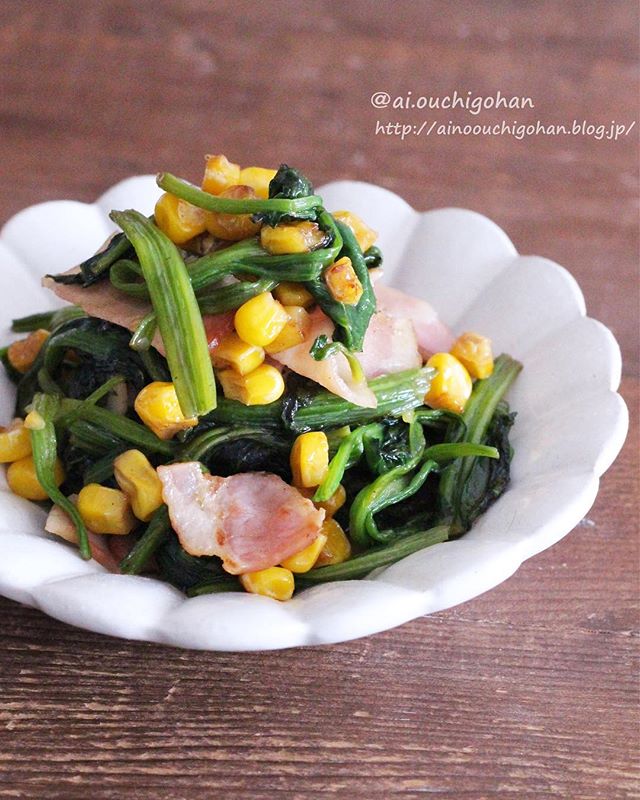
{"x": 220, "y": 174}
{"x": 23, "y": 353}
{"x": 233, "y": 227}
{"x": 342, "y": 282}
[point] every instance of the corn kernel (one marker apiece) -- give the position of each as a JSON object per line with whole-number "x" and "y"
{"x": 258, "y": 178}
{"x": 310, "y": 459}
{"x": 337, "y": 547}
{"x": 23, "y": 353}
{"x": 330, "y": 506}
{"x": 220, "y": 174}
{"x": 158, "y": 407}
{"x": 365, "y": 236}
{"x": 232, "y": 227}
{"x": 305, "y": 559}
{"x": 105, "y": 510}
{"x": 23, "y": 481}
{"x": 34, "y": 421}
{"x": 342, "y": 282}
{"x": 233, "y": 352}
{"x": 293, "y": 294}
{"x": 275, "y": 582}
{"x": 260, "y": 320}
{"x": 179, "y": 220}
{"x": 257, "y": 388}
{"x": 451, "y": 387}
{"x": 291, "y": 237}
{"x": 474, "y": 352}
{"x": 295, "y": 331}
{"x": 140, "y": 482}
{"x": 15, "y": 442}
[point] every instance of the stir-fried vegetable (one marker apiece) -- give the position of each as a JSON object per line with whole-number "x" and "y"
{"x": 339, "y": 467}
{"x": 176, "y": 310}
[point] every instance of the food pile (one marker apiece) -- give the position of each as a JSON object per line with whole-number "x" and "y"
{"x": 233, "y": 400}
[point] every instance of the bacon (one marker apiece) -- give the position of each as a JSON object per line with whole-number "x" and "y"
{"x": 433, "y": 335}
{"x": 251, "y": 520}
{"x": 389, "y": 346}
{"x": 332, "y": 372}
{"x": 216, "y": 327}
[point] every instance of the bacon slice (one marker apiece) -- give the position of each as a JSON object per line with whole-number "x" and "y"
{"x": 432, "y": 334}
{"x": 251, "y": 521}
{"x": 216, "y": 327}
{"x": 389, "y": 346}
{"x": 332, "y": 372}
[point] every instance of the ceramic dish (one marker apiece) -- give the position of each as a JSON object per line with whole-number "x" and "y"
{"x": 570, "y": 426}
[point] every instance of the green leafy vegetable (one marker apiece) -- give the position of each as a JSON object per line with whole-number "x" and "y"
{"x": 186, "y": 191}
{"x": 157, "y": 532}
{"x": 363, "y": 563}
{"x": 46, "y": 320}
{"x": 351, "y": 321}
{"x": 45, "y": 451}
{"x": 288, "y": 184}
{"x": 460, "y": 499}
{"x": 99, "y": 264}
{"x": 177, "y": 313}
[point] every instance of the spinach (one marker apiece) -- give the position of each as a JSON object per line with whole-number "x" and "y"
{"x": 351, "y": 321}
{"x": 228, "y": 450}
{"x": 488, "y": 478}
{"x": 100, "y": 351}
{"x": 287, "y": 184}
{"x": 465, "y": 488}
{"x": 97, "y": 266}
{"x": 183, "y": 570}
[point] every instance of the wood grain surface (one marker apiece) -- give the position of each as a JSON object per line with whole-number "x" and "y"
{"x": 530, "y": 691}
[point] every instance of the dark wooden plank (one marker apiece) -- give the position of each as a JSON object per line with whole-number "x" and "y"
{"x": 528, "y": 691}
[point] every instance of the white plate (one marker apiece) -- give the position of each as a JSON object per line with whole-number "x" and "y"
{"x": 570, "y": 426}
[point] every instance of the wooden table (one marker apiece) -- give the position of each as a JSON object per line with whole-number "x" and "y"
{"x": 529, "y": 691}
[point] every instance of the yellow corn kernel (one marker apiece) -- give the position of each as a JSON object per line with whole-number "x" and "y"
{"x": 337, "y": 548}
{"x": 23, "y": 481}
{"x": 233, "y": 352}
{"x": 305, "y": 559}
{"x": 330, "y": 506}
{"x": 291, "y": 237}
{"x": 294, "y": 332}
{"x": 260, "y": 320}
{"x": 220, "y": 174}
{"x": 474, "y": 352}
{"x": 342, "y": 282}
{"x": 258, "y": 178}
{"x": 15, "y": 442}
{"x": 140, "y": 482}
{"x": 293, "y": 294}
{"x": 275, "y": 582}
{"x": 105, "y": 510}
{"x": 34, "y": 421}
{"x": 232, "y": 227}
{"x": 23, "y": 353}
{"x": 309, "y": 459}
{"x": 158, "y": 407}
{"x": 257, "y": 388}
{"x": 451, "y": 387}
{"x": 365, "y": 236}
{"x": 180, "y": 220}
